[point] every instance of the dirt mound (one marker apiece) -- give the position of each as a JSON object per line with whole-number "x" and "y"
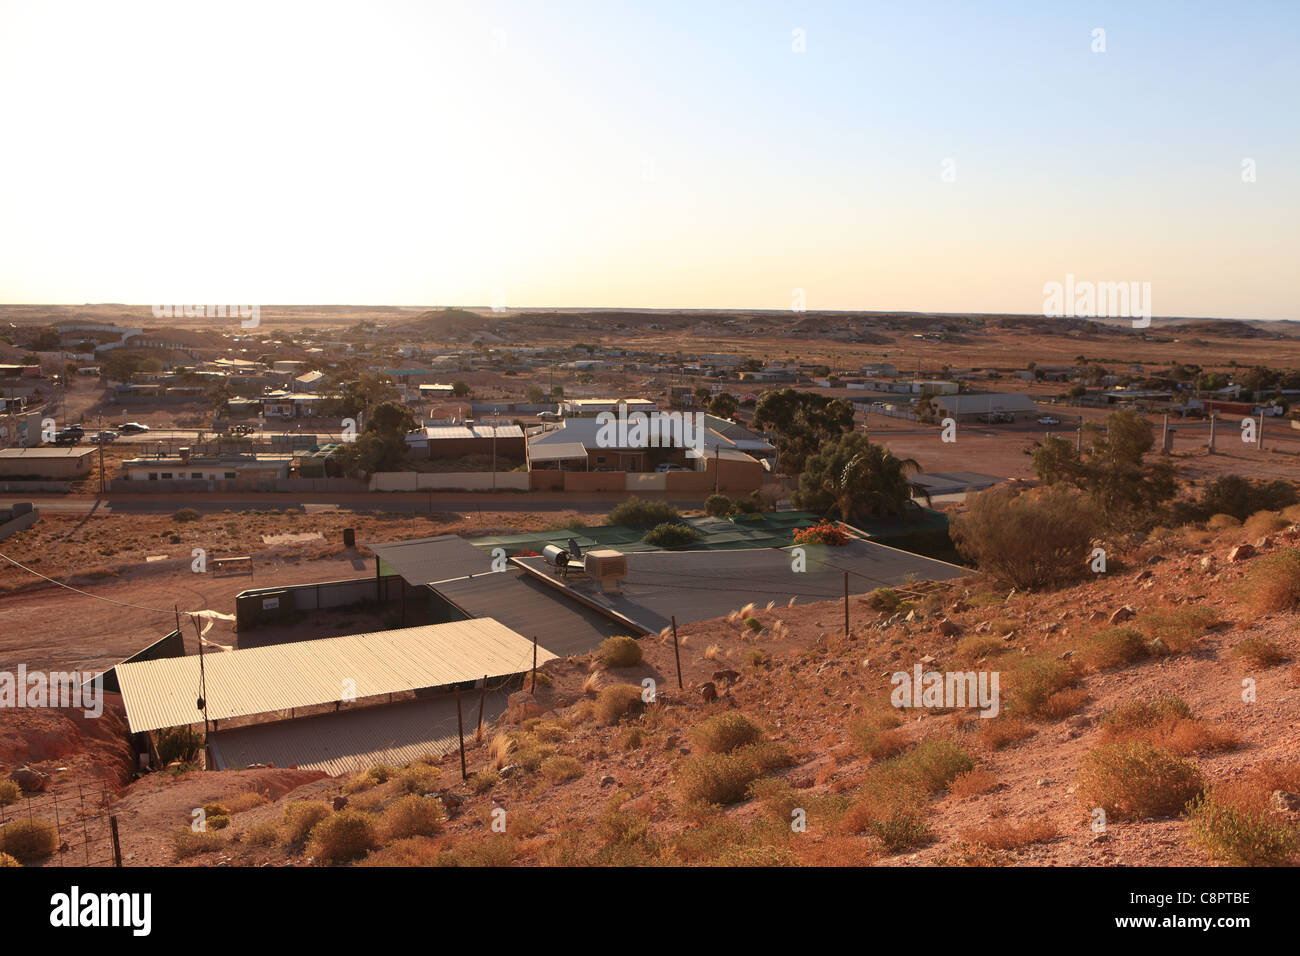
{"x": 67, "y": 744}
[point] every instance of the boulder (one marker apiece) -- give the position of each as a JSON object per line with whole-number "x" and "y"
{"x": 1240, "y": 553}
{"x": 29, "y": 780}
{"x": 1122, "y": 614}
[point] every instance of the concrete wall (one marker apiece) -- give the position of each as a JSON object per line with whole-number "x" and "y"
{"x": 285, "y": 485}
{"x": 449, "y": 481}
{"x": 16, "y": 523}
{"x": 251, "y": 607}
{"x": 31, "y": 487}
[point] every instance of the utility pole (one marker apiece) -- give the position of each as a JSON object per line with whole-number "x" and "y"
{"x": 101, "y": 453}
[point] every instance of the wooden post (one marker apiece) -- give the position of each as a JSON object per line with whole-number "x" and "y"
{"x": 677, "y": 653}
{"x": 460, "y": 731}
{"x": 482, "y": 699}
{"x": 1259, "y": 435}
{"x": 1213, "y": 417}
{"x": 117, "y": 841}
{"x": 533, "y": 688}
{"x": 846, "y": 604}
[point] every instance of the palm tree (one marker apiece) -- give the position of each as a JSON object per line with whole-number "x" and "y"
{"x": 873, "y": 484}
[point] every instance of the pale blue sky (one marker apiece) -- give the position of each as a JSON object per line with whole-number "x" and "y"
{"x": 655, "y": 154}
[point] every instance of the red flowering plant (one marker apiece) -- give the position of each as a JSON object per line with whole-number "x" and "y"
{"x": 823, "y": 532}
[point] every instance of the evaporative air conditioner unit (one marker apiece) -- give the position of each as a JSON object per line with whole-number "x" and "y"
{"x": 606, "y": 567}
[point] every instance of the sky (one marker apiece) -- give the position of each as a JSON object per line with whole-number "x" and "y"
{"x": 910, "y": 156}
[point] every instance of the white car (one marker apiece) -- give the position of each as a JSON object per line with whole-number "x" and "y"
{"x": 131, "y": 428}
{"x": 1049, "y": 420}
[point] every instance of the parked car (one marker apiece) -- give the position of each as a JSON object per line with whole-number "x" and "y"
{"x": 548, "y": 416}
{"x": 668, "y": 466}
{"x": 77, "y": 430}
{"x": 1049, "y": 420}
{"x": 132, "y": 428}
{"x": 66, "y": 437}
{"x": 104, "y": 437}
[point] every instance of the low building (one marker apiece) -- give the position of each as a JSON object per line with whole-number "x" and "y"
{"x": 459, "y": 441}
{"x": 185, "y": 467}
{"x": 46, "y": 463}
{"x": 587, "y": 407}
{"x": 974, "y": 408}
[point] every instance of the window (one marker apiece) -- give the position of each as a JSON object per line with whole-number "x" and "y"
{"x": 166, "y": 476}
{"x": 230, "y": 474}
{"x": 196, "y": 474}
{"x": 153, "y": 476}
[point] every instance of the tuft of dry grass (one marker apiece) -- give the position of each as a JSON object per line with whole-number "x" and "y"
{"x": 342, "y": 837}
{"x": 1005, "y": 834}
{"x": 561, "y": 769}
{"x": 723, "y": 733}
{"x": 879, "y": 734}
{"x": 1175, "y": 630}
{"x": 412, "y": 816}
{"x": 615, "y": 702}
{"x": 499, "y": 751}
{"x": 974, "y": 782}
{"x": 998, "y": 732}
{"x": 1260, "y": 652}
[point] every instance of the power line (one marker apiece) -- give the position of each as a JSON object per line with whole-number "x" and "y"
{"x": 97, "y": 597}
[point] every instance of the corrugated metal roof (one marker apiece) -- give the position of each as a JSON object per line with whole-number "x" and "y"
{"x": 558, "y": 451}
{"x": 259, "y": 680}
{"x": 424, "y": 560}
{"x": 701, "y": 585}
{"x": 437, "y": 432}
{"x": 534, "y": 609}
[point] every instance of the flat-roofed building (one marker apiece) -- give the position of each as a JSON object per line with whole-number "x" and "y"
{"x": 46, "y": 463}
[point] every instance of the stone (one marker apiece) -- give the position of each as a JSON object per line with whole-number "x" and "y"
{"x": 708, "y": 692}
{"x": 1122, "y": 614}
{"x": 1240, "y": 553}
{"x": 29, "y": 780}
{"x": 949, "y": 628}
{"x": 340, "y": 803}
{"x": 1285, "y": 801}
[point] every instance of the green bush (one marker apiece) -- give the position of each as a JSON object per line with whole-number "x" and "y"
{"x": 178, "y": 743}
{"x": 620, "y": 652}
{"x": 1241, "y": 836}
{"x": 672, "y": 535}
{"x": 717, "y": 505}
{"x": 635, "y": 511}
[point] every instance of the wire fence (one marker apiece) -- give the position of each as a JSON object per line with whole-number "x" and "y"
{"x": 84, "y": 832}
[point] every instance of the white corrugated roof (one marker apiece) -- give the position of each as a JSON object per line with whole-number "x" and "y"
{"x": 259, "y": 680}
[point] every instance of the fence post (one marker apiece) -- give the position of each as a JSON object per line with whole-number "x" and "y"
{"x": 677, "y": 653}
{"x": 117, "y": 840}
{"x": 460, "y": 731}
{"x": 846, "y": 604}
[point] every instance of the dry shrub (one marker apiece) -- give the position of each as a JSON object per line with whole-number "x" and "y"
{"x": 979, "y": 646}
{"x": 499, "y": 750}
{"x": 1111, "y": 648}
{"x": 1175, "y": 630}
{"x": 1134, "y": 779}
{"x": 187, "y": 843}
{"x": 879, "y": 735}
{"x": 9, "y": 792}
{"x": 1008, "y": 835}
{"x": 1273, "y": 583}
{"x": 932, "y": 765}
{"x": 972, "y": 783}
{"x": 1262, "y": 523}
{"x": 412, "y": 851}
{"x": 1259, "y": 652}
{"x": 998, "y": 732}
{"x": 417, "y": 778}
{"x": 343, "y": 836}
{"x": 247, "y": 800}
{"x": 561, "y": 769}
{"x": 1165, "y": 722}
{"x": 1031, "y": 539}
{"x": 724, "y": 778}
{"x": 835, "y": 850}
{"x": 28, "y": 840}
{"x": 483, "y": 781}
{"x": 262, "y": 834}
{"x": 1222, "y": 522}
{"x": 1241, "y": 836}
{"x": 300, "y": 816}
{"x": 8, "y": 861}
{"x": 592, "y": 684}
{"x": 1033, "y": 682}
{"x": 615, "y": 702}
{"x": 890, "y": 809}
{"x": 367, "y": 779}
{"x": 412, "y": 816}
{"x": 1063, "y": 703}
{"x": 723, "y": 733}
{"x": 620, "y": 652}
